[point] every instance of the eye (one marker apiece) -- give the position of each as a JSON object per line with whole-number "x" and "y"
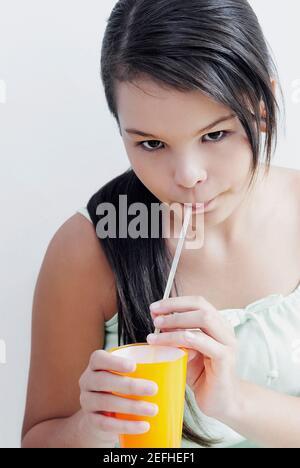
{"x": 151, "y": 150}
{"x": 221, "y": 134}
{"x": 216, "y": 134}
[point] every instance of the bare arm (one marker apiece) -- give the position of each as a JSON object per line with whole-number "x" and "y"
{"x": 266, "y": 417}
{"x": 69, "y": 432}
{"x": 74, "y": 287}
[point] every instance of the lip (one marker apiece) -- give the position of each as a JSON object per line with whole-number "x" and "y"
{"x": 202, "y": 208}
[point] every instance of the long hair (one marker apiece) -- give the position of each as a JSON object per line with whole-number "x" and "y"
{"x": 216, "y": 47}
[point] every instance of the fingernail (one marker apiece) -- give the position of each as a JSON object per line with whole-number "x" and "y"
{"x": 151, "y": 338}
{"x": 155, "y": 306}
{"x": 158, "y": 321}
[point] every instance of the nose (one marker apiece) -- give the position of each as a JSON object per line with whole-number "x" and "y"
{"x": 188, "y": 173}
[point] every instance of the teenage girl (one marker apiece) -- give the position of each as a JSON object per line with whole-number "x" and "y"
{"x": 192, "y": 87}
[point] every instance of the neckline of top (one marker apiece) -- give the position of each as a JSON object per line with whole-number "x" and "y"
{"x": 266, "y": 301}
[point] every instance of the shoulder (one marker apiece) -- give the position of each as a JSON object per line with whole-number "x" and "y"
{"x": 76, "y": 253}
{"x": 288, "y": 189}
{"x": 287, "y": 181}
{"x": 292, "y": 177}
{"x": 296, "y": 179}
{"x": 296, "y": 190}
{"x": 283, "y": 195}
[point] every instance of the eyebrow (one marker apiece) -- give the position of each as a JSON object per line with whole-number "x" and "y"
{"x": 134, "y": 131}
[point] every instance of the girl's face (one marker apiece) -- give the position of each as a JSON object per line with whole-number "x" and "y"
{"x": 184, "y": 146}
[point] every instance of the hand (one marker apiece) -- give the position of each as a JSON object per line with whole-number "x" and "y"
{"x": 97, "y": 384}
{"x": 211, "y": 346}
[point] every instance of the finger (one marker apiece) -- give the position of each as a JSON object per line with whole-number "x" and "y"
{"x": 162, "y": 330}
{"x": 212, "y": 324}
{"x": 108, "y": 382}
{"x": 103, "y": 360}
{"x": 180, "y": 304}
{"x": 118, "y": 426}
{"x": 94, "y": 401}
{"x": 190, "y": 339}
{"x": 192, "y": 353}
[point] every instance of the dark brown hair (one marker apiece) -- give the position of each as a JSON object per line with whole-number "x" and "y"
{"x": 216, "y": 47}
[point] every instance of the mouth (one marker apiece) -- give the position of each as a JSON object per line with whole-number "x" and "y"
{"x": 201, "y": 207}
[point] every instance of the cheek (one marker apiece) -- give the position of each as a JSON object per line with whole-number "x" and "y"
{"x": 146, "y": 169}
{"x": 237, "y": 157}
{"x": 139, "y": 164}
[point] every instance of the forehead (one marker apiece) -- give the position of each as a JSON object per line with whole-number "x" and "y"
{"x": 156, "y": 108}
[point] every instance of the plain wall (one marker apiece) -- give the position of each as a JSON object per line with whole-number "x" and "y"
{"x": 59, "y": 145}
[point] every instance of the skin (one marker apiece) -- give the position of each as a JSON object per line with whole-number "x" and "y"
{"x": 61, "y": 413}
{"x": 264, "y": 416}
{"x": 189, "y": 169}
{"x": 192, "y": 169}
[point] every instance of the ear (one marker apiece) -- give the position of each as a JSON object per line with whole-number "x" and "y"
{"x": 262, "y": 107}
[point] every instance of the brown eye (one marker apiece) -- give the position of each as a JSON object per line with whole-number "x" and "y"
{"x": 215, "y": 136}
{"x": 150, "y": 142}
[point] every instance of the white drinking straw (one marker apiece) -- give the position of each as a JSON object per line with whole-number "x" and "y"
{"x": 182, "y": 236}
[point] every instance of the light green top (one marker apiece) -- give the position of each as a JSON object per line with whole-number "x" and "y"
{"x": 268, "y": 335}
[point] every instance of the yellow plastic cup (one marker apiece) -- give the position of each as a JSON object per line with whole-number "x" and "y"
{"x": 167, "y": 366}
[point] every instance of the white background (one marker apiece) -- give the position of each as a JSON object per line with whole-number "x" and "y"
{"x": 59, "y": 145}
